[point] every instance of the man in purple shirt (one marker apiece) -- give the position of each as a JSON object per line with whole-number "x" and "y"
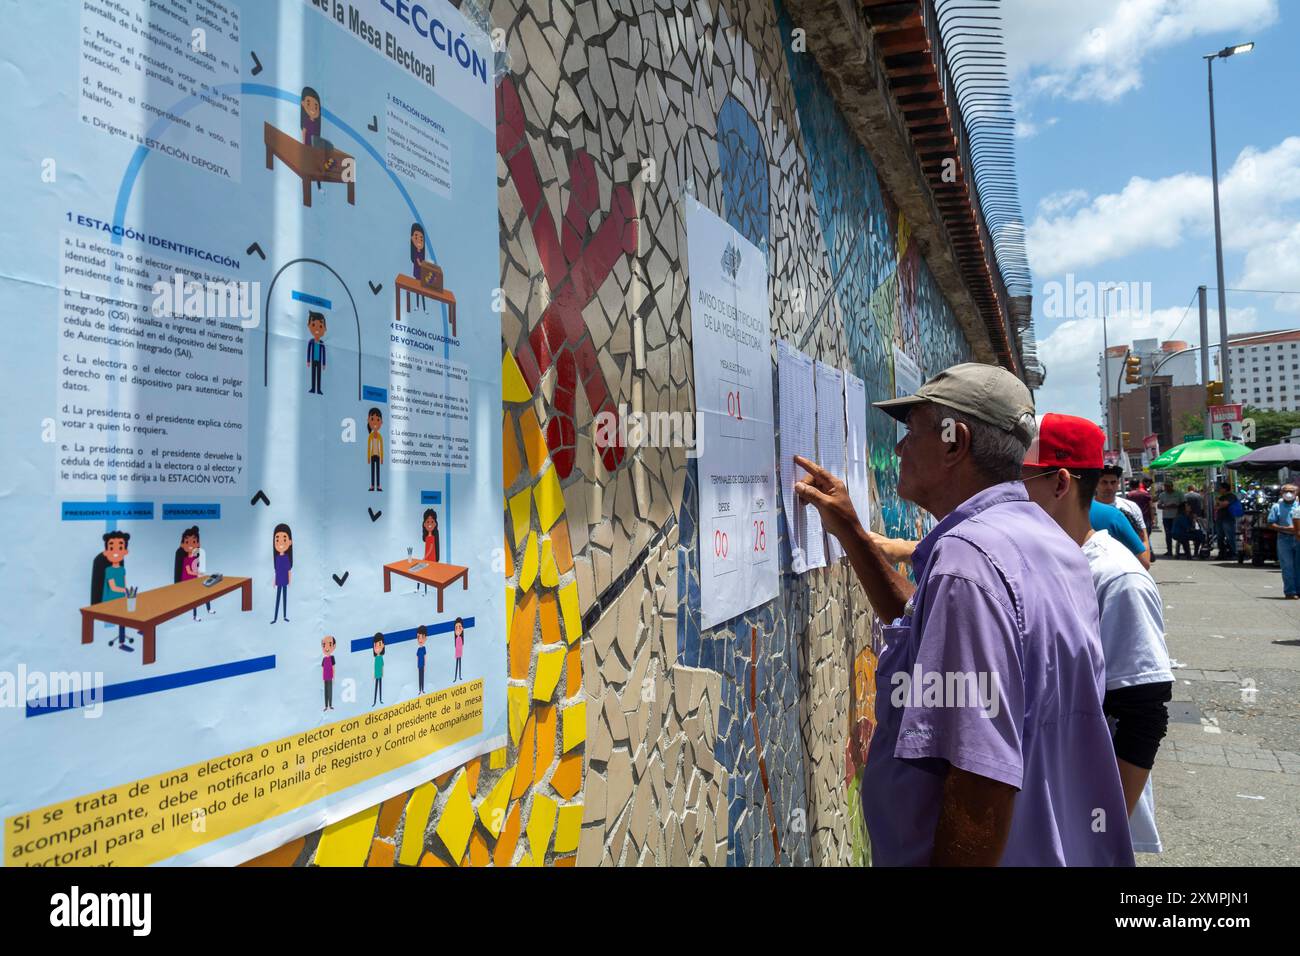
{"x": 990, "y": 744}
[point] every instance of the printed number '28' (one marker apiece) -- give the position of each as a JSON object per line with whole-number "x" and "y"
{"x": 760, "y": 536}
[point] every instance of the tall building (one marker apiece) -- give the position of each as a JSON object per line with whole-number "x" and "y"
{"x": 1170, "y": 388}
{"x": 1265, "y": 369}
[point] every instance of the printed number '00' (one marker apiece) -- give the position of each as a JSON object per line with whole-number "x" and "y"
{"x": 720, "y": 544}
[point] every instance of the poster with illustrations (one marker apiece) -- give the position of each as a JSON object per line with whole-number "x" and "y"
{"x": 254, "y": 397}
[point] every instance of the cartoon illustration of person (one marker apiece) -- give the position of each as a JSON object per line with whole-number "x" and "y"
{"x": 309, "y": 116}
{"x": 309, "y": 119}
{"x": 375, "y": 446}
{"x": 379, "y": 668}
{"x": 282, "y": 553}
{"x": 315, "y": 350}
{"x": 429, "y": 535}
{"x": 108, "y": 578}
{"x": 421, "y": 637}
{"x": 189, "y": 561}
{"x": 417, "y": 257}
{"x": 459, "y": 628}
{"x": 327, "y": 668}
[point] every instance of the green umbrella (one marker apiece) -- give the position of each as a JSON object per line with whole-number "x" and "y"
{"x": 1205, "y": 453}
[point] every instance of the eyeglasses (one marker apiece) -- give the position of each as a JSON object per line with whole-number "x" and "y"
{"x": 1051, "y": 472}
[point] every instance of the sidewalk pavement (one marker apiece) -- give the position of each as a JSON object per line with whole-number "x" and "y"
{"x": 1227, "y": 778}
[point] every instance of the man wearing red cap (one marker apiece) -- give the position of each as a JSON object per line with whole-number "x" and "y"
{"x": 1060, "y": 475}
{"x": 1018, "y": 768}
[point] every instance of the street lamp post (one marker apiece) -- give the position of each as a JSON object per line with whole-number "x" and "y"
{"x": 1226, "y": 52}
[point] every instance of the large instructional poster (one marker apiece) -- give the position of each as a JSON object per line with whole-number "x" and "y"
{"x": 733, "y": 392}
{"x": 253, "y": 377}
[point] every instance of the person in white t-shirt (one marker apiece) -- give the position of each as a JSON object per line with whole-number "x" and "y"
{"x": 1060, "y": 474}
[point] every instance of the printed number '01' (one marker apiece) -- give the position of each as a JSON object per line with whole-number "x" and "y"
{"x": 720, "y": 544}
{"x": 733, "y": 405}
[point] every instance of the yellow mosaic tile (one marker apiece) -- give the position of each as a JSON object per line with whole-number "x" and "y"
{"x": 516, "y": 710}
{"x": 524, "y": 767}
{"x": 510, "y": 559}
{"x": 541, "y": 822}
{"x": 510, "y": 606}
{"x": 568, "y": 828}
{"x": 550, "y": 575}
{"x": 520, "y": 512}
{"x": 417, "y": 818}
{"x": 550, "y": 663}
{"x": 347, "y": 843}
{"x": 457, "y": 819}
{"x": 575, "y": 726}
{"x": 513, "y": 386}
{"x": 572, "y": 615}
{"x": 550, "y": 500}
{"x": 492, "y": 809}
{"x": 528, "y": 570}
{"x": 497, "y": 759}
{"x": 534, "y": 441}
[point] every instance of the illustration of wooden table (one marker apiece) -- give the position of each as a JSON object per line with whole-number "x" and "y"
{"x": 434, "y": 574}
{"x": 160, "y": 604}
{"x": 414, "y": 285}
{"x": 307, "y": 161}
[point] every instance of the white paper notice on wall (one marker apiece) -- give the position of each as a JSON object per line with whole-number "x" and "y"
{"x": 857, "y": 457}
{"x": 733, "y": 394}
{"x": 830, "y": 435}
{"x": 908, "y": 377}
{"x": 798, "y": 407}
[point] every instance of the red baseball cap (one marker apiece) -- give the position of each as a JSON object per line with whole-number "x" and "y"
{"x": 1066, "y": 441}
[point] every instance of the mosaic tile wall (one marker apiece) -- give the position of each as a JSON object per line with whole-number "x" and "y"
{"x": 635, "y": 737}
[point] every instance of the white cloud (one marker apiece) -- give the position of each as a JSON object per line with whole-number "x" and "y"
{"x": 1275, "y": 265}
{"x": 1096, "y": 49}
{"x": 1072, "y": 351}
{"x": 1068, "y": 234}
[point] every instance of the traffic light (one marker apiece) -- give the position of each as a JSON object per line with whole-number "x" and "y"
{"x": 1214, "y": 393}
{"x": 1132, "y": 369}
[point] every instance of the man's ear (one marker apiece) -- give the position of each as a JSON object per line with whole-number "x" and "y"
{"x": 1063, "y": 482}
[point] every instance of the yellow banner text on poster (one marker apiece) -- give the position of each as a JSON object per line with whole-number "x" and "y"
{"x": 154, "y": 818}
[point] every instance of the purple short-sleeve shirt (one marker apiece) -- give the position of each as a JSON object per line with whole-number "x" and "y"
{"x": 996, "y": 668}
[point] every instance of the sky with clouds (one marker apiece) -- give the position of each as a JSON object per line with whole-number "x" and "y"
{"x": 1114, "y": 166}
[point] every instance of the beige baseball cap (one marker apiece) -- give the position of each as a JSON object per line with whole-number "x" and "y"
{"x": 987, "y": 392}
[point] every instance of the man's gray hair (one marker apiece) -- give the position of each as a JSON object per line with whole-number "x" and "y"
{"x": 997, "y": 454}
